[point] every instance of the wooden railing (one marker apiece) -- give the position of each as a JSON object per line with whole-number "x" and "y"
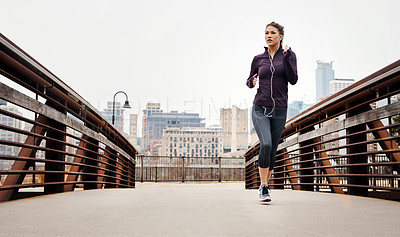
{"x": 347, "y": 143}
{"x": 51, "y": 137}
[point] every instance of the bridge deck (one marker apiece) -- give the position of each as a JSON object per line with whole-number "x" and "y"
{"x": 215, "y": 209}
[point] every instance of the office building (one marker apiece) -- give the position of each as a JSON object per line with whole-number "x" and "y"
{"x": 132, "y": 136}
{"x": 192, "y": 142}
{"x": 338, "y": 84}
{"x": 323, "y": 75}
{"x": 155, "y": 120}
{"x": 148, "y": 112}
{"x": 234, "y": 122}
{"x": 118, "y": 115}
{"x": 295, "y": 108}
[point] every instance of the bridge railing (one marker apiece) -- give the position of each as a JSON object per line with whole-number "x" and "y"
{"x": 347, "y": 143}
{"x": 51, "y": 137}
{"x": 181, "y": 169}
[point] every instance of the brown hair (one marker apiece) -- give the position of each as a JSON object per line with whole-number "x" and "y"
{"x": 279, "y": 27}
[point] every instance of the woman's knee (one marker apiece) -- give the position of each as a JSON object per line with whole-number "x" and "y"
{"x": 267, "y": 146}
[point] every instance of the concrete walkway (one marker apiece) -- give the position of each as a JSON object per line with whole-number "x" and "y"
{"x": 214, "y": 209}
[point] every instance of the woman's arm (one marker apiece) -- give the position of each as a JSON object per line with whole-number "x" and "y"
{"x": 290, "y": 62}
{"x": 253, "y": 72}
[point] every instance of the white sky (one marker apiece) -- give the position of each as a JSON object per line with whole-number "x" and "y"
{"x": 195, "y": 56}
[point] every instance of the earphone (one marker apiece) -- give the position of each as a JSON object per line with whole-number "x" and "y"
{"x": 272, "y": 68}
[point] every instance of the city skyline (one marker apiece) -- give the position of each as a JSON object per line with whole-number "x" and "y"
{"x": 205, "y": 47}
{"x": 179, "y": 50}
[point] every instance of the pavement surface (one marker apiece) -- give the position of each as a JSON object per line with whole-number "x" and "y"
{"x": 211, "y": 209}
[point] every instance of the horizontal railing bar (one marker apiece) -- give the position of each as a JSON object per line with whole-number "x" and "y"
{"x": 335, "y": 157}
{"x": 363, "y": 118}
{"x": 58, "y": 141}
{"x": 17, "y": 144}
{"x": 337, "y": 166}
{"x": 344, "y": 147}
{"x": 344, "y": 137}
{"x": 340, "y": 185}
{"x": 36, "y": 160}
{"x": 19, "y": 186}
{"x": 394, "y": 176}
{"x": 49, "y": 128}
{"x": 58, "y": 172}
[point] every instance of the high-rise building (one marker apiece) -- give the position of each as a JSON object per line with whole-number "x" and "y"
{"x": 192, "y": 142}
{"x": 132, "y": 137}
{"x": 150, "y": 109}
{"x": 234, "y": 122}
{"x": 323, "y": 75}
{"x": 339, "y": 84}
{"x": 118, "y": 115}
{"x": 295, "y": 108}
{"x": 155, "y": 120}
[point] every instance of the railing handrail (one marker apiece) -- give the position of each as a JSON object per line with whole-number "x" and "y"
{"x": 25, "y": 59}
{"x": 346, "y": 94}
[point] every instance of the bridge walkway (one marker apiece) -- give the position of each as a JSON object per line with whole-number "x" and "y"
{"x": 211, "y": 209}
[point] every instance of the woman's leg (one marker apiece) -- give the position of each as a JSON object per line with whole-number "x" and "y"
{"x": 262, "y": 126}
{"x": 277, "y": 125}
{"x": 264, "y": 175}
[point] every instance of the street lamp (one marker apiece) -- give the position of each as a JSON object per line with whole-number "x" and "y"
{"x": 125, "y": 106}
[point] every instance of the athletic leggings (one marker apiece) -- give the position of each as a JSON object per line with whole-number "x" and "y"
{"x": 269, "y": 127}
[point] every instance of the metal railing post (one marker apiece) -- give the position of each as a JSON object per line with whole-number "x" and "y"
{"x": 220, "y": 169}
{"x": 141, "y": 168}
{"x": 183, "y": 169}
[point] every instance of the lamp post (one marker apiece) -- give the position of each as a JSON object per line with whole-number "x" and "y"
{"x": 126, "y": 105}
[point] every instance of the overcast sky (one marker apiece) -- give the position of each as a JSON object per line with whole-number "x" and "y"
{"x": 195, "y": 56}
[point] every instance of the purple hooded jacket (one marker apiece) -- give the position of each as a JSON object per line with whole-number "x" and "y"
{"x": 285, "y": 71}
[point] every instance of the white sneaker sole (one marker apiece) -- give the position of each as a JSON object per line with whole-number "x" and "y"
{"x": 265, "y": 200}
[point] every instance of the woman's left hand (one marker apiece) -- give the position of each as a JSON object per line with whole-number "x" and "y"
{"x": 286, "y": 49}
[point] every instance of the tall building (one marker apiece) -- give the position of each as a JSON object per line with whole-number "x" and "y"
{"x": 234, "y": 122}
{"x": 118, "y": 115}
{"x": 9, "y": 136}
{"x": 155, "y": 120}
{"x": 338, "y": 84}
{"x": 132, "y": 137}
{"x": 147, "y": 113}
{"x": 323, "y": 75}
{"x": 192, "y": 142}
{"x": 295, "y": 108}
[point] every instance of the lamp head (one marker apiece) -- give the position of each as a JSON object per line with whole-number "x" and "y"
{"x": 126, "y": 105}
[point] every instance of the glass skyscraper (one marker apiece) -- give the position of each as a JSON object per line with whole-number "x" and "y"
{"x": 323, "y": 75}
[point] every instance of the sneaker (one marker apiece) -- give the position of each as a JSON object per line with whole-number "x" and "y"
{"x": 264, "y": 193}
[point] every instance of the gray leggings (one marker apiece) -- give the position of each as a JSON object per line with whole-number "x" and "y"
{"x": 269, "y": 127}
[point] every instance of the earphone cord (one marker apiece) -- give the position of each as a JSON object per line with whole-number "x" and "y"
{"x": 272, "y": 68}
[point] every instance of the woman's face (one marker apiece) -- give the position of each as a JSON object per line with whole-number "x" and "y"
{"x": 272, "y": 36}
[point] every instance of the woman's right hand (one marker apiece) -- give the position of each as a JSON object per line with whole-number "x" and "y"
{"x": 255, "y": 79}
